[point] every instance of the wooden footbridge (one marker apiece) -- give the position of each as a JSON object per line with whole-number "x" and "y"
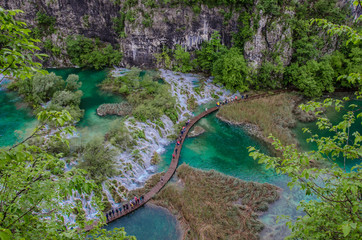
{"x": 171, "y": 170}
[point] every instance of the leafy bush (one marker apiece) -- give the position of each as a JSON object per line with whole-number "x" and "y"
{"x": 119, "y": 135}
{"x": 149, "y": 98}
{"x": 183, "y": 61}
{"x": 210, "y": 52}
{"x": 98, "y": 160}
{"x": 86, "y": 52}
{"x": 313, "y": 78}
{"x": 45, "y": 24}
{"x": 232, "y": 71}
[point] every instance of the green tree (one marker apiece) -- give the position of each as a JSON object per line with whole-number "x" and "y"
{"x": 183, "y": 61}
{"x": 232, "y": 71}
{"x": 98, "y": 160}
{"x": 17, "y": 49}
{"x": 313, "y": 78}
{"x": 210, "y": 52}
{"x": 72, "y": 83}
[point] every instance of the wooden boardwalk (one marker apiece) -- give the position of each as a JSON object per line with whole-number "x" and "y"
{"x": 171, "y": 170}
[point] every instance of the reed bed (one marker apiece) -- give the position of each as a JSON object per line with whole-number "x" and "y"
{"x": 272, "y": 114}
{"x": 212, "y": 205}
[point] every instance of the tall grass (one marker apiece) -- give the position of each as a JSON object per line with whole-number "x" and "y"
{"x": 216, "y": 206}
{"x": 273, "y": 115}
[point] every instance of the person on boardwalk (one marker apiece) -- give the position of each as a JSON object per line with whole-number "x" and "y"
{"x": 136, "y": 200}
{"x": 178, "y": 143}
{"x": 113, "y": 212}
{"x": 173, "y": 156}
{"x": 236, "y": 98}
{"x": 161, "y": 179}
{"x": 188, "y": 122}
{"x": 107, "y": 216}
{"x": 120, "y": 210}
{"x": 217, "y": 104}
{"x": 142, "y": 198}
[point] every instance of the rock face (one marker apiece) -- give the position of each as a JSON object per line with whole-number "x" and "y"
{"x": 91, "y": 18}
{"x": 172, "y": 26}
{"x": 167, "y": 25}
{"x": 272, "y": 35}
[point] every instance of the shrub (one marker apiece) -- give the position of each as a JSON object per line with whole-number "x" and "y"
{"x": 86, "y": 52}
{"x": 232, "y": 71}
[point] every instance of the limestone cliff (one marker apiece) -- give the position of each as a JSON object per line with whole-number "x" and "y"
{"x": 147, "y": 29}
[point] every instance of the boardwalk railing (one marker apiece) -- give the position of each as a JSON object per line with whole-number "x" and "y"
{"x": 171, "y": 170}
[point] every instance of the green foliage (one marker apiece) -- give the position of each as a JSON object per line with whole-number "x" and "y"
{"x": 270, "y": 6}
{"x": 41, "y": 89}
{"x": 17, "y": 49}
{"x": 269, "y": 74}
{"x": 336, "y": 214}
{"x": 33, "y": 182}
{"x": 48, "y": 45}
{"x": 98, "y": 160}
{"x": 232, "y": 71}
{"x": 85, "y": 52}
{"x": 183, "y": 61}
{"x": 245, "y": 32}
{"x": 210, "y": 52}
{"x": 119, "y": 136}
{"x": 164, "y": 59}
{"x": 45, "y": 24}
{"x": 149, "y": 98}
{"x": 119, "y": 24}
{"x": 313, "y": 78}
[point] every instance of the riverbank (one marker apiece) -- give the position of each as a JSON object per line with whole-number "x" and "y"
{"x": 211, "y": 205}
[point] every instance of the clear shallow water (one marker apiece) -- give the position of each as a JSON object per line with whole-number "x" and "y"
{"x": 148, "y": 223}
{"x": 16, "y": 121}
{"x": 91, "y": 125}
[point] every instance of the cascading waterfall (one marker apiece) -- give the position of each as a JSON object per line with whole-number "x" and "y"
{"x": 182, "y": 87}
{"x": 135, "y": 171}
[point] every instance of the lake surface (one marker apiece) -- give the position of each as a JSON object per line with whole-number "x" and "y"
{"x": 16, "y": 120}
{"x": 222, "y": 147}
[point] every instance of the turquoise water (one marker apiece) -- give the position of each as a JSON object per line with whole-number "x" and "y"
{"x": 16, "y": 120}
{"x": 223, "y": 147}
{"x": 149, "y": 223}
{"x": 335, "y": 118}
{"x": 91, "y": 125}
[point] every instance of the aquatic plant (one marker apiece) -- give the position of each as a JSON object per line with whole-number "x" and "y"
{"x": 120, "y": 109}
{"x": 213, "y": 205}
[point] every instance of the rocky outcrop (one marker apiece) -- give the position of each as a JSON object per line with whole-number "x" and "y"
{"x": 272, "y": 35}
{"x": 147, "y": 29}
{"x": 171, "y": 26}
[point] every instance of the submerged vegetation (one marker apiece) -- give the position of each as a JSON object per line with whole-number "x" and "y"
{"x": 213, "y": 205}
{"x": 149, "y": 98}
